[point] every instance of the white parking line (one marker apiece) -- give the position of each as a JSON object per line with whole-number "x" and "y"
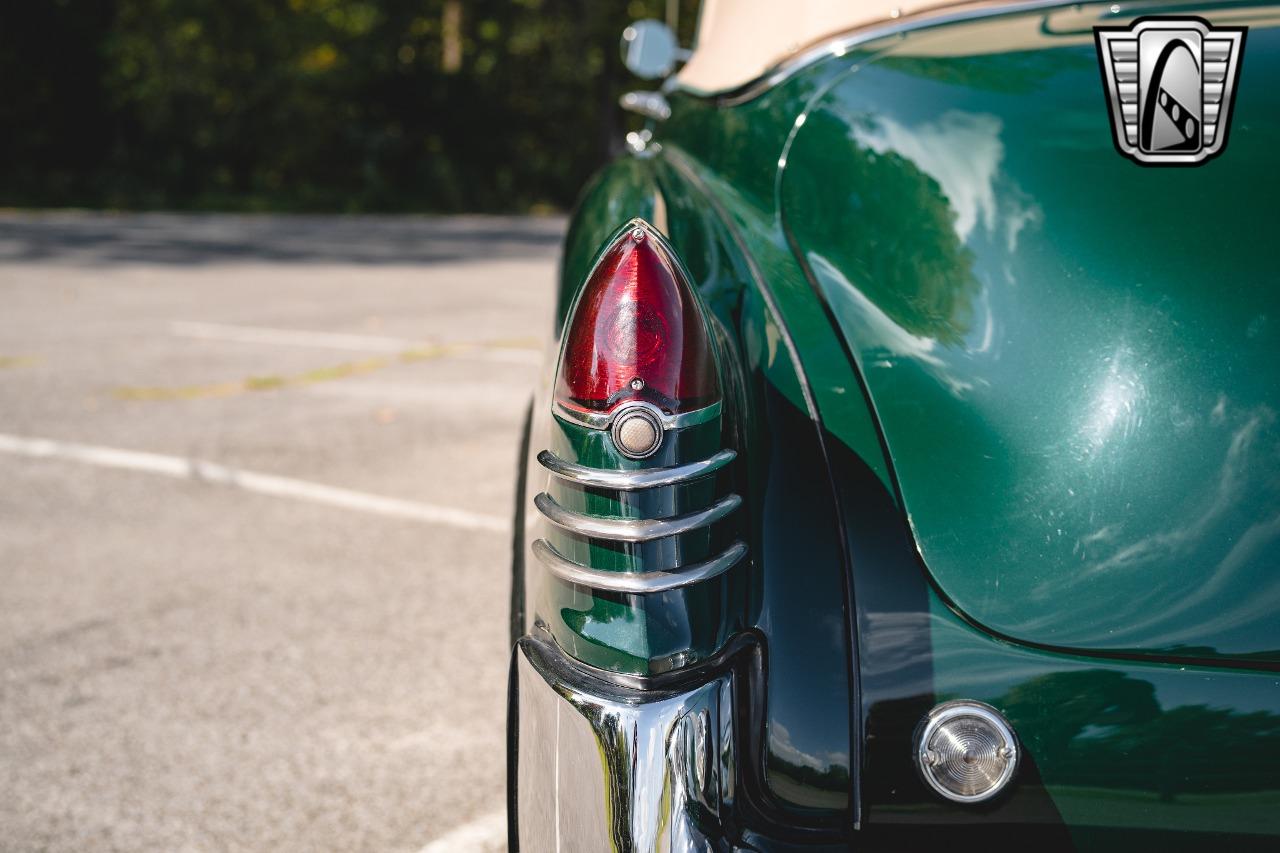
{"x": 487, "y": 833}
{"x": 183, "y": 468}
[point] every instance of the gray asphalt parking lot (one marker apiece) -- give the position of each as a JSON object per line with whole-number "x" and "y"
{"x": 255, "y": 482}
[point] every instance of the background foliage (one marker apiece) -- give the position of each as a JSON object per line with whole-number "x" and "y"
{"x": 348, "y": 105}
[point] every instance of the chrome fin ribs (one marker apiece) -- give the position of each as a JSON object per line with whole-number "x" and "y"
{"x": 635, "y": 530}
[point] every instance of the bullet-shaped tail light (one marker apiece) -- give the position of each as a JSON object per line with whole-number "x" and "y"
{"x": 637, "y": 354}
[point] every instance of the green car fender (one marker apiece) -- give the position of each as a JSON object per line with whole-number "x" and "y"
{"x": 892, "y": 563}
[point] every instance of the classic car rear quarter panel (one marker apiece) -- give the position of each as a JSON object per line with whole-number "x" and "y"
{"x": 1104, "y": 737}
{"x": 1117, "y": 753}
{"x": 1073, "y": 358}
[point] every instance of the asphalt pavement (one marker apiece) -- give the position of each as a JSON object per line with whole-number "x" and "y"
{"x": 256, "y": 477}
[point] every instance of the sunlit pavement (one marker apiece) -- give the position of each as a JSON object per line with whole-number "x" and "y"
{"x": 255, "y": 482}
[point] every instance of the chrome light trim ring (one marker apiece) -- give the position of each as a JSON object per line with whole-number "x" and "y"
{"x": 948, "y": 711}
{"x": 632, "y": 529}
{"x": 604, "y": 420}
{"x": 644, "y": 414}
{"x": 632, "y": 480}
{"x": 634, "y": 582}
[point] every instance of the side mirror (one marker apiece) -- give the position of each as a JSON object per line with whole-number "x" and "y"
{"x": 649, "y": 49}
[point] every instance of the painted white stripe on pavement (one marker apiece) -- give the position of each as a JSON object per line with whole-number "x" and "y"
{"x": 264, "y": 484}
{"x": 484, "y": 834}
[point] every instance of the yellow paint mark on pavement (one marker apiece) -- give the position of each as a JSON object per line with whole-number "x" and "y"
{"x": 273, "y": 382}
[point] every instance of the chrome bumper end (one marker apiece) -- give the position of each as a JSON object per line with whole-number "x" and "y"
{"x": 600, "y": 766}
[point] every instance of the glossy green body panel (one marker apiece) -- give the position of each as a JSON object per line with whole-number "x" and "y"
{"x": 1116, "y": 754}
{"x": 1186, "y": 752}
{"x": 874, "y": 555}
{"x": 1075, "y": 359}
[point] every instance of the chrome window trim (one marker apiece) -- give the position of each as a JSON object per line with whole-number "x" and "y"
{"x": 638, "y": 583}
{"x": 632, "y": 529}
{"x": 632, "y": 480}
{"x": 603, "y": 420}
{"x": 841, "y": 44}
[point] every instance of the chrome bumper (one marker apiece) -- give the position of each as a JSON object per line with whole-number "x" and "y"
{"x": 603, "y": 767}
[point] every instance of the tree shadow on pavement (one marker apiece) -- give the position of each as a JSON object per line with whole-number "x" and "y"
{"x": 102, "y": 239}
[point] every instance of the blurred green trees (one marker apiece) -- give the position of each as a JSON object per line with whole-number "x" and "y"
{"x": 342, "y": 105}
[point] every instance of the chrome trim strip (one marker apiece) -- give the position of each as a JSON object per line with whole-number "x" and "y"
{"x": 602, "y": 420}
{"x": 634, "y": 582}
{"x": 630, "y": 480}
{"x": 632, "y": 529}
{"x": 842, "y": 44}
{"x": 648, "y": 104}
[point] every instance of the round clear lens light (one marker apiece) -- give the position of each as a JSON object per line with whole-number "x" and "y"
{"x": 966, "y": 751}
{"x": 637, "y": 433}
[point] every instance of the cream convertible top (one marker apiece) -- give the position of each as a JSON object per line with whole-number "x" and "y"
{"x": 739, "y": 40}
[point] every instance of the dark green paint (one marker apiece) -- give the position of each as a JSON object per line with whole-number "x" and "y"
{"x": 877, "y": 271}
{"x": 1074, "y": 358}
{"x": 1123, "y": 746}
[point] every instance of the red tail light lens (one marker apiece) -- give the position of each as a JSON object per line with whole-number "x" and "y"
{"x": 637, "y": 333}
